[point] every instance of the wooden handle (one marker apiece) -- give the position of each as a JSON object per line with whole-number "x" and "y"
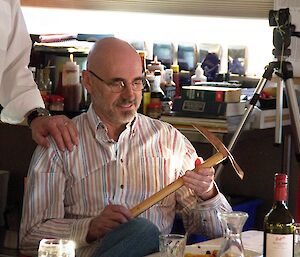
{"x": 155, "y": 198}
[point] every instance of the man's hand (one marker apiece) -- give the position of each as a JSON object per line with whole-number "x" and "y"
{"x": 202, "y": 182}
{"x": 60, "y": 127}
{"x": 110, "y": 218}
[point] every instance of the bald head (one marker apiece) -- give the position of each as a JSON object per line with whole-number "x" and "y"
{"x": 113, "y": 62}
{"x": 109, "y": 52}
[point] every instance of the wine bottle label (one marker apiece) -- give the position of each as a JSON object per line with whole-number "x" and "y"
{"x": 279, "y": 245}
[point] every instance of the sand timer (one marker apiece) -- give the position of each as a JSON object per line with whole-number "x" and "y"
{"x": 233, "y": 223}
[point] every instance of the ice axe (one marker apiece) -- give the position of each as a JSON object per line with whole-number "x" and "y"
{"x": 221, "y": 155}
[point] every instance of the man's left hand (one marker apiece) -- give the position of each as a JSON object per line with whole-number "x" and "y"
{"x": 202, "y": 182}
{"x": 60, "y": 127}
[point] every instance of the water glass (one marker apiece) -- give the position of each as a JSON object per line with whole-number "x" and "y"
{"x": 56, "y": 248}
{"x": 172, "y": 245}
{"x": 297, "y": 240}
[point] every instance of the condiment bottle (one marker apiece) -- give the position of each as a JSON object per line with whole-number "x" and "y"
{"x": 70, "y": 86}
{"x": 156, "y": 91}
{"x": 156, "y": 65}
{"x": 169, "y": 88}
{"x": 199, "y": 75}
{"x": 175, "y": 68}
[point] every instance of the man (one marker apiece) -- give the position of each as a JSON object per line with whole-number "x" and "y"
{"x": 19, "y": 94}
{"x": 122, "y": 159}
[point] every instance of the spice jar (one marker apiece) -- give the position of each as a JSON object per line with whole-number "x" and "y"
{"x": 56, "y": 103}
{"x": 154, "y": 108}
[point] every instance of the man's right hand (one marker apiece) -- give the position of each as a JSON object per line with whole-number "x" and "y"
{"x": 110, "y": 218}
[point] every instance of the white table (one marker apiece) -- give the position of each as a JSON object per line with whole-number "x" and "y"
{"x": 252, "y": 240}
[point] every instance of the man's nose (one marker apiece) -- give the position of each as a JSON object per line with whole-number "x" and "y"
{"x": 128, "y": 90}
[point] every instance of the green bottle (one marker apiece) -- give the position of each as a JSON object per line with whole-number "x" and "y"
{"x": 278, "y": 223}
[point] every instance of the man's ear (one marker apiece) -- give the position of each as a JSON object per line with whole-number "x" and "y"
{"x": 86, "y": 81}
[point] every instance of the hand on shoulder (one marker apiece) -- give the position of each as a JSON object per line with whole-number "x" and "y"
{"x": 60, "y": 127}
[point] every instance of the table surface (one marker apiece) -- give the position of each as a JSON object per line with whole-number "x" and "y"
{"x": 252, "y": 240}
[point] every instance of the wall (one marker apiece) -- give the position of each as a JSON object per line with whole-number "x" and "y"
{"x": 254, "y": 33}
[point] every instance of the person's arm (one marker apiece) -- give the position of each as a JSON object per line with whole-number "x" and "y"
{"x": 61, "y": 128}
{"x": 44, "y": 203}
{"x": 200, "y": 200}
{"x": 19, "y": 94}
{"x": 18, "y": 91}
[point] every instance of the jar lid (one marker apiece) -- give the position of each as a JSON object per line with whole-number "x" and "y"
{"x": 45, "y": 98}
{"x": 56, "y": 98}
{"x": 175, "y": 67}
{"x": 154, "y": 105}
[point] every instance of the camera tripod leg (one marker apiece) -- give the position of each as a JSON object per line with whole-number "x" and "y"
{"x": 279, "y": 109}
{"x": 294, "y": 114}
{"x": 261, "y": 84}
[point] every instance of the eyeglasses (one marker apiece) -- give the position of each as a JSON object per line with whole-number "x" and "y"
{"x": 118, "y": 85}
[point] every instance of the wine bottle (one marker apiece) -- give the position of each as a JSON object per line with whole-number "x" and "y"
{"x": 279, "y": 223}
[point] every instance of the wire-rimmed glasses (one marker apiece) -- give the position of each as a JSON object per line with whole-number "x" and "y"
{"x": 118, "y": 85}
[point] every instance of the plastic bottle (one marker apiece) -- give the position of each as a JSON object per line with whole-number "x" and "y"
{"x": 156, "y": 65}
{"x": 71, "y": 86}
{"x": 169, "y": 88}
{"x": 278, "y": 223}
{"x": 199, "y": 75}
{"x": 156, "y": 91}
{"x": 175, "y": 68}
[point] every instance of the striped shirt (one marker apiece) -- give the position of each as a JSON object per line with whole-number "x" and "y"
{"x": 65, "y": 190}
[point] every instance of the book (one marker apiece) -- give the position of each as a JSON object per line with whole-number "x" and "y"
{"x": 200, "y": 109}
{"x": 212, "y": 94}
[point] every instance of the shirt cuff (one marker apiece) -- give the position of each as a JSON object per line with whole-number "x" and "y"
{"x": 79, "y": 231}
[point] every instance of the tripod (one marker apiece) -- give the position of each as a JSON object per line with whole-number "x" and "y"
{"x": 284, "y": 69}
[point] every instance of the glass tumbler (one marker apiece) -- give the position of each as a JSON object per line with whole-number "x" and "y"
{"x": 56, "y": 248}
{"x": 233, "y": 223}
{"x": 172, "y": 245}
{"x": 297, "y": 240}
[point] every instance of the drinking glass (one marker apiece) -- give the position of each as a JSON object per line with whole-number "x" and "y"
{"x": 233, "y": 223}
{"x": 172, "y": 245}
{"x": 56, "y": 248}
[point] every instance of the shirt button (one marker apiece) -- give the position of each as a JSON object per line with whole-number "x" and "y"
{"x": 121, "y": 186}
{"x": 121, "y": 160}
